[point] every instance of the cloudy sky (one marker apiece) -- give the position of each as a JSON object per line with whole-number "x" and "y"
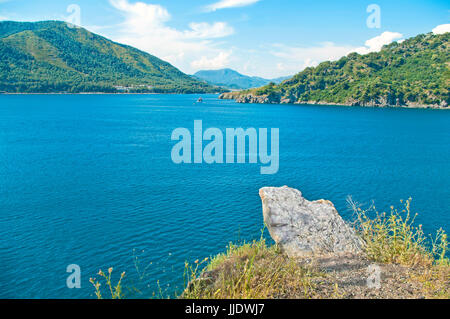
{"x": 268, "y": 38}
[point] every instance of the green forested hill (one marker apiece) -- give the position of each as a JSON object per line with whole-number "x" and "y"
{"x": 415, "y": 72}
{"x": 50, "y": 56}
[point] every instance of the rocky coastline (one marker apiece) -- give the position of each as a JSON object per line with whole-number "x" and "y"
{"x": 250, "y": 98}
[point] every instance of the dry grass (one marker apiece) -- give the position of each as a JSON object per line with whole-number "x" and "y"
{"x": 395, "y": 239}
{"x": 111, "y": 291}
{"x": 435, "y": 281}
{"x": 249, "y": 271}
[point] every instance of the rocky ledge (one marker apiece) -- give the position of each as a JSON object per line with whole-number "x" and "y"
{"x": 303, "y": 228}
{"x": 317, "y": 255}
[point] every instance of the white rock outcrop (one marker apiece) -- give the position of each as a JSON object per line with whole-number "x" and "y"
{"x": 303, "y": 228}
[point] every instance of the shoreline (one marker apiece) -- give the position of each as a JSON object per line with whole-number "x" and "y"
{"x": 225, "y": 96}
{"x": 423, "y": 107}
{"x": 426, "y": 107}
{"x": 105, "y": 93}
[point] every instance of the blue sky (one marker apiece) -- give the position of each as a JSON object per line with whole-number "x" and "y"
{"x": 268, "y": 38}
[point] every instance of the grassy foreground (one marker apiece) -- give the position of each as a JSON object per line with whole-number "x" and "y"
{"x": 250, "y": 271}
{"x": 411, "y": 265}
{"x": 416, "y": 266}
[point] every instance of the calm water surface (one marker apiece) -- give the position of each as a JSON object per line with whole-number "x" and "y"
{"x": 88, "y": 180}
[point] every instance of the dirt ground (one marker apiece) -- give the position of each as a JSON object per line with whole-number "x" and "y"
{"x": 351, "y": 277}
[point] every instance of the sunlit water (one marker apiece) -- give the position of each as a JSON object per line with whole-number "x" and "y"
{"x": 89, "y": 180}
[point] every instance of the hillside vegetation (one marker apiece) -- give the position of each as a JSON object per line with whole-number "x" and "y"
{"x": 51, "y": 56}
{"x": 415, "y": 72}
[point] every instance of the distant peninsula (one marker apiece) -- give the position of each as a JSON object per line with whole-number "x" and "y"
{"x": 55, "y": 57}
{"x": 413, "y": 73}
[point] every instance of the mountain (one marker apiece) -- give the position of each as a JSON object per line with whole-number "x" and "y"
{"x": 280, "y": 79}
{"x": 231, "y": 79}
{"x": 413, "y": 73}
{"x": 51, "y": 56}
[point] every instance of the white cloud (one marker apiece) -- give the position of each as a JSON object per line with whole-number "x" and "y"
{"x": 206, "y": 30}
{"x": 441, "y": 29}
{"x": 146, "y": 27}
{"x": 196, "y": 47}
{"x": 224, "y": 4}
{"x": 375, "y": 44}
{"x": 217, "y": 62}
{"x": 140, "y": 15}
{"x": 326, "y": 51}
{"x": 295, "y": 59}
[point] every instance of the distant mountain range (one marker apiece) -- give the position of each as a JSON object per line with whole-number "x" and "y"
{"x": 51, "y": 56}
{"x": 413, "y": 73}
{"x": 231, "y": 79}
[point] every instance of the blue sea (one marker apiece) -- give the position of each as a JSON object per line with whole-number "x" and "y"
{"x": 89, "y": 180}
